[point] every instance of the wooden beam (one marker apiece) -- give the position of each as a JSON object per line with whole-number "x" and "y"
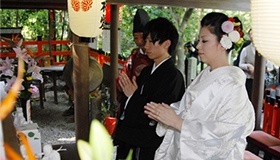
{"x": 34, "y": 4}
{"x": 238, "y": 5}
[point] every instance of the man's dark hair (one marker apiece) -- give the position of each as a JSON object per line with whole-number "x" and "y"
{"x": 161, "y": 30}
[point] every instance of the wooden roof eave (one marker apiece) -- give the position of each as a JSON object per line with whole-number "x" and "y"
{"x": 34, "y": 4}
{"x": 238, "y": 5}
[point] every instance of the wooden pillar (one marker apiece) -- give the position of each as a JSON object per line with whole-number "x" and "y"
{"x": 258, "y": 88}
{"x": 81, "y": 88}
{"x": 278, "y": 75}
{"x": 51, "y": 32}
{"x": 114, "y": 52}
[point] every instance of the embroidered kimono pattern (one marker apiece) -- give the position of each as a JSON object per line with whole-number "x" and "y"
{"x": 218, "y": 117}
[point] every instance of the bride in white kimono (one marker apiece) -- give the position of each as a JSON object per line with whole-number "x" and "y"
{"x": 214, "y": 116}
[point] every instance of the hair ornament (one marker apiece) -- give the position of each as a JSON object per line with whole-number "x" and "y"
{"x": 236, "y": 24}
{"x": 227, "y": 26}
{"x": 231, "y": 36}
{"x": 226, "y": 42}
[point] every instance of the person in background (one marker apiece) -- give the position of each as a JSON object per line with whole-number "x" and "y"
{"x": 69, "y": 87}
{"x": 271, "y": 74}
{"x": 242, "y": 42}
{"x": 160, "y": 82}
{"x": 247, "y": 64}
{"x": 215, "y": 115}
{"x": 138, "y": 58}
{"x": 190, "y": 51}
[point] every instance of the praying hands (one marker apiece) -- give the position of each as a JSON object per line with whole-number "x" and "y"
{"x": 128, "y": 86}
{"x": 163, "y": 113}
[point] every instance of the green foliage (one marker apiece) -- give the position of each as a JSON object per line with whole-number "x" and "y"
{"x": 61, "y": 25}
{"x": 107, "y": 108}
{"x": 176, "y": 15}
{"x": 35, "y": 22}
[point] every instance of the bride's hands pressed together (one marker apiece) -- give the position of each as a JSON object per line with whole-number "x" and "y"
{"x": 163, "y": 113}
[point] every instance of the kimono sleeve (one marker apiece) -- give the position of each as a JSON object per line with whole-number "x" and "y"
{"x": 220, "y": 132}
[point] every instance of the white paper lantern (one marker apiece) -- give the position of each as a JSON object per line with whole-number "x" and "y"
{"x": 266, "y": 28}
{"x": 85, "y": 17}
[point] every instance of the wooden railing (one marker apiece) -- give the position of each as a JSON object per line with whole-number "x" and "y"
{"x": 39, "y": 53}
{"x": 101, "y": 58}
{"x": 37, "y": 50}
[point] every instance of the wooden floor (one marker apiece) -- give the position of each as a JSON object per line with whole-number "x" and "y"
{"x": 71, "y": 152}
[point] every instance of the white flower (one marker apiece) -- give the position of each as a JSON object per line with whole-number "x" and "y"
{"x": 227, "y": 26}
{"x": 226, "y": 42}
{"x": 231, "y": 36}
{"x": 9, "y": 83}
{"x": 6, "y": 67}
{"x": 234, "y": 36}
{"x": 35, "y": 91}
{"x": 99, "y": 147}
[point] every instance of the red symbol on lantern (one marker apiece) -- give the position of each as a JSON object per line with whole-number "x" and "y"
{"x": 75, "y": 5}
{"x": 84, "y": 4}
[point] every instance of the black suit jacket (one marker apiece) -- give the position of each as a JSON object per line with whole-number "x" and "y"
{"x": 166, "y": 85}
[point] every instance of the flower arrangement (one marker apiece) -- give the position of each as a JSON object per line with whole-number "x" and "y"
{"x": 6, "y": 107}
{"x": 8, "y": 70}
{"x": 100, "y": 145}
{"x": 231, "y": 36}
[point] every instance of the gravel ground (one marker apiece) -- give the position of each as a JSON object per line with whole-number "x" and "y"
{"x": 54, "y": 128}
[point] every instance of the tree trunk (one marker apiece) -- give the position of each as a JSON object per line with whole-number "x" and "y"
{"x": 180, "y": 46}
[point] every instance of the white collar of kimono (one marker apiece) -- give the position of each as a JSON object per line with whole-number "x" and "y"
{"x": 141, "y": 51}
{"x": 156, "y": 66}
{"x": 206, "y": 77}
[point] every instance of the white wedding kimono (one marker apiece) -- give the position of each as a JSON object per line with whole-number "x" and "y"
{"x": 218, "y": 117}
